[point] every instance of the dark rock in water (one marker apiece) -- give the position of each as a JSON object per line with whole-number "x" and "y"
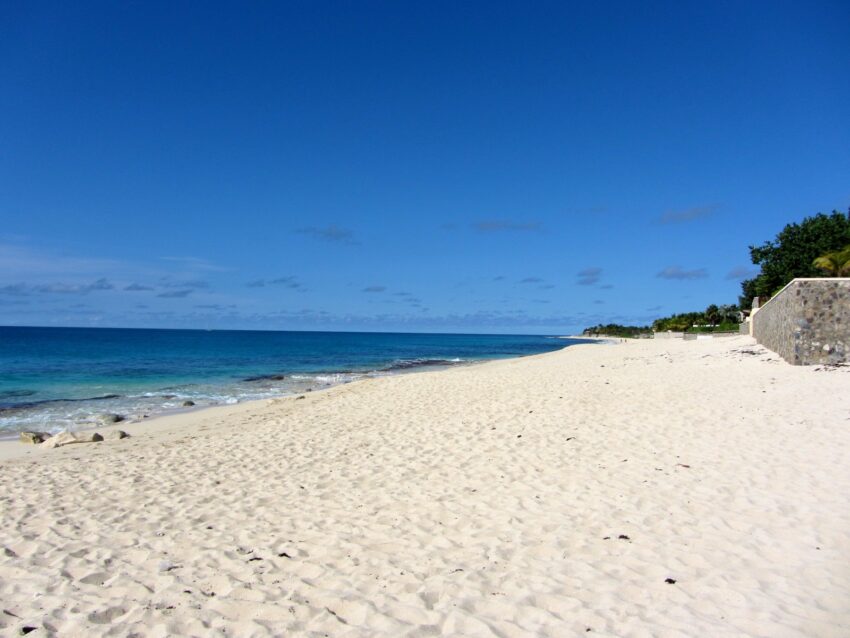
{"x": 406, "y": 364}
{"x": 110, "y": 417}
{"x": 6, "y": 407}
{"x": 16, "y": 394}
{"x": 188, "y": 404}
{"x": 34, "y": 437}
{"x": 267, "y": 377}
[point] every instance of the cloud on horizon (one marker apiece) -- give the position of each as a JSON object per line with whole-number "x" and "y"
{"x": 687, "y": 214}
{"x": 196, "y": 263}
{"x": 215, "y": 306}
{"x": 742, "y": 272}
{"x": 374, "y": 289}
{"x": 330, "y": 233}
{"x": 137, "y": 288}
{"x": 196, "y": 284}
{"x": 287, "y": 282}
{"x": 18, "y": 290}
{"x": 497, "y": 225}
{"x": 677, "y": 272}
{"x": 176, "y": 294}
{"x": 27, "y": 262}
{"x": 589, "y": 276}
{"x": 22, "y": 290}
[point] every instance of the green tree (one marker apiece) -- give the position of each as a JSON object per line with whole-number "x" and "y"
{"x": 836, "y": 263}
{"x": 712, "y": 315}
{"x": 729, "y": 313}
{"x": 793, "y": 252}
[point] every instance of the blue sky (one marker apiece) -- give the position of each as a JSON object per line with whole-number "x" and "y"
{"x": 473, "y": 167}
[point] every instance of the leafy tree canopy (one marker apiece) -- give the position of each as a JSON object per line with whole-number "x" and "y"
{"x": 715, "y": 318}
{"x": 793, "y": 252}
{"x": 617, "y": 330}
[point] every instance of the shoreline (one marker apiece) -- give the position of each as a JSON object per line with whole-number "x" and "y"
{"x": 133, "y": 375}
{"x": 12, "y": 448}
{"x": 660, "y": 487}
{"x": 92, "y": 425}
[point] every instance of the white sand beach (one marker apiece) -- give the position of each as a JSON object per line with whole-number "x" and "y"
{"x": 555, "y": 495}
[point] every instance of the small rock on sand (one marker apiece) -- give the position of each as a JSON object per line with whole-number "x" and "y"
{"x": 67, "y": 438}
{"x": 58, "y": 440}
{"x": 88, "y": 437}
{"x": 34, "y": 437}
{"x": 114, "y": 435}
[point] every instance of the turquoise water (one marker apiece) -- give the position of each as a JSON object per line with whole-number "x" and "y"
{"x": 55, "y": 378}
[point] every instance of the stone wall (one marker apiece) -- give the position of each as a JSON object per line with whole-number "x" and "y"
{"x": 807, "y": 322}
{"x": 669, "y": 334}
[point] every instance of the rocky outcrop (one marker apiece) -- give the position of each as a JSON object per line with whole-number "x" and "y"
{"x": 115, "y": 435}
{"x": 67, "y": 438}
{"x": 34, "y": 438}
{"x": 58, "y": 440}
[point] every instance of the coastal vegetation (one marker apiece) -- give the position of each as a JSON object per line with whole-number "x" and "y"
{"x": 835, "y": 263}
{"x": 816, "y": 246}
{"x": 715, "y": 318}
{"x": 804, "y": 249}
{"x": 617, "y": 330}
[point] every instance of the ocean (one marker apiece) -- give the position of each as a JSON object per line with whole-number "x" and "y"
{"x": 67, "y": 378}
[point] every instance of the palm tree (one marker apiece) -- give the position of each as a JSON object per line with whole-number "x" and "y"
{"x": 836, "y": 263}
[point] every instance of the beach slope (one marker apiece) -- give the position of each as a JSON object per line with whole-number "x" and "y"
{"x": 648, "y": 488}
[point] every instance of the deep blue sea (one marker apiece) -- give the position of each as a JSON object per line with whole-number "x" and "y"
{"x": 57, "y": 378}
